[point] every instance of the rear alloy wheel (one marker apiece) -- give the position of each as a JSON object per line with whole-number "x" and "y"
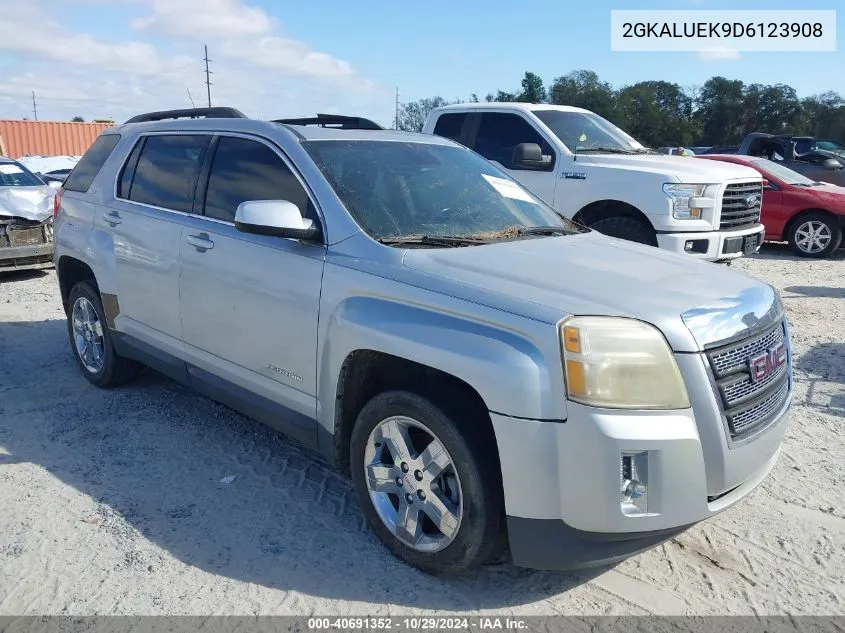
{"x": 429, "y": 488}
{"x": 815, "y": 235}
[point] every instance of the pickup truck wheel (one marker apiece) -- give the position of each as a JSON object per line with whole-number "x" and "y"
{"x": 815, "y": 235}
{"x": 425, "y": 487}
{"x": 90, "y": 339}
{"x": 626, "y": 228}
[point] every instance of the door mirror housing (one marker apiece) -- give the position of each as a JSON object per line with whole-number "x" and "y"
{"x": 280, "y": 218}
{"x": 831, "y": 164}
{"x": 529, "y": 156}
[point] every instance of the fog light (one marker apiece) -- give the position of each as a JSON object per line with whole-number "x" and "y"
{"x": 633, "y": 480}
{"x": 688, "y": 246}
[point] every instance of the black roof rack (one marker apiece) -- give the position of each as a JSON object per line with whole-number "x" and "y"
{"x": 189, "y": 113}
{"x": 334, "y": 120}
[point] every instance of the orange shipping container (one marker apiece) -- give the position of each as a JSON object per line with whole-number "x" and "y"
{"x": 47, "y": 138}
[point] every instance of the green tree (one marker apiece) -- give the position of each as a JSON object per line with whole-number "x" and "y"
{"x": 533, "y": 90}
{"x": 720, "y": 109}
{"x": 584, "y": 89}
{"x": 412, "y": 115}
{"x": 78, "y": 119}
{"x": 656, "y": 113}
{"x": 500, "y": 95}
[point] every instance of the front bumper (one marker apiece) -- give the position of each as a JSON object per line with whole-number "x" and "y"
{"x": 713, "y": 245}
{"x": 32, "y": 257}
{"x": 562, "y": 479}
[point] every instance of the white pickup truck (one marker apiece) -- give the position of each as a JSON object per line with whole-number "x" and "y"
{"x": 593, "y": 172}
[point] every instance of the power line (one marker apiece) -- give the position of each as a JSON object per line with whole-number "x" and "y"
{"x": 190, "y": 97}
{"x": 207, "y": 78}
{"x": 34, "y": 107}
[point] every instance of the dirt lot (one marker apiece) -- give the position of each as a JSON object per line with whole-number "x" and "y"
{"x": 111, "y": 502}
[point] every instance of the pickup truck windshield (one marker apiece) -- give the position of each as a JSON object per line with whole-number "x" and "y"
{"x": 403, "y": 189}
{"x": 585, "y": 131}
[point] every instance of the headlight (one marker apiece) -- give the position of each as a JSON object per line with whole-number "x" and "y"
{"x": 620, "y": 363}
{"x": 688, "y": 200}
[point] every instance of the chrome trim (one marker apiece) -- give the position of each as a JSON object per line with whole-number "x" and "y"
{"x": 252, "y": 137}
{"x": 736, "y": 318}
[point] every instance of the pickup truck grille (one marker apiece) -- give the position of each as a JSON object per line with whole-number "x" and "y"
{"x": 739, "y": 208}
{"x": 751, "y": 402}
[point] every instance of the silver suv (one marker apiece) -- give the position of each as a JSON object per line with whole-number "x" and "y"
{"x": 488, "y": 373}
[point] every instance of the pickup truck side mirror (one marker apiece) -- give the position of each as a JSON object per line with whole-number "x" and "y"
{"x": 831, "y": 164}
{"x": 274, "y": 217}
{"x": 528, "y": 156}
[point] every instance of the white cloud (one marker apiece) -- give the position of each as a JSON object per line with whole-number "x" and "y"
{"x": 76, "y": 73}
{"x": 205, "y": 18}
{"x": 718, "y": 54}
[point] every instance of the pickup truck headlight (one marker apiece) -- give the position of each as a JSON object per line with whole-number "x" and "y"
{"x": 688, "y": 201}
{"x": 620, "y": 363}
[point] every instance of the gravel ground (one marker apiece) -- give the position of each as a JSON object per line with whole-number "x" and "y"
{"x": 111, "y": 502}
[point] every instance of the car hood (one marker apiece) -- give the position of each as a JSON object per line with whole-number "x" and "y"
{"x": 694, "y": 304}
{"x": 29, "y": 203}
{"x": 683, "y": 168}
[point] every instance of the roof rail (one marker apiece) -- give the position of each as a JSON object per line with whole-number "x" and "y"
{"x": 334, "y": 120}
{"x": 189, "y": 113}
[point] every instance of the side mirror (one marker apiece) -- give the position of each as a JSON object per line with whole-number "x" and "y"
{"x": 274, "y": 217}
{"x": 528, "y": 156}
{"x": 831, "y": 164}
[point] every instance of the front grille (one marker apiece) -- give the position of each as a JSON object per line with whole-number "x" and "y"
{"x": 736, "y": 213}
{"x": 746, "y": 403}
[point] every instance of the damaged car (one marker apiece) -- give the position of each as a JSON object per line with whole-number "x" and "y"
{"x": 26, "y": 218}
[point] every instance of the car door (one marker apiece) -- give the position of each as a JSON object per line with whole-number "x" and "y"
{"x": 494, "y": 135}
{"x": 154, "y": 198}
{"x": 250, "y": 302}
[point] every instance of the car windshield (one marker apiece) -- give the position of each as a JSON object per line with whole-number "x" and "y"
{"x": 14, "y": 175}
{"x": 831, "y": 146}
{"x": 403, "y": 190}
{"x": 785, "y": 174}
{"x": 585, "y": 132}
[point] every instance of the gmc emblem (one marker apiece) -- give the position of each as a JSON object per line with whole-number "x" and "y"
{"x": 766, "y": 363}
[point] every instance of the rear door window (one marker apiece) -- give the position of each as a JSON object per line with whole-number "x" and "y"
{"x": 450, "y": 126}
{"x": 166, "y": 174}
{"x": 243, "y": 170}
{"x": 89, "y": 165}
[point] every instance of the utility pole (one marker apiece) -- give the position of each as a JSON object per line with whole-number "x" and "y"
{"x": 207, "y": 78}
{"x": 396, "y": 120}
{"x": 34, "y": 107}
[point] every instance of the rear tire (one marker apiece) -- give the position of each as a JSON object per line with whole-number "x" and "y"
{"x": 475, "y": 523}
{"x": 815, "y": 235}
{"x": 626, "y": 228}
{"x": 91, "y": 339}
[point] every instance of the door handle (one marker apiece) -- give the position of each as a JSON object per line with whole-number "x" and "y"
{"x": 200, "y": 242}
{"x": 112, "y": 218}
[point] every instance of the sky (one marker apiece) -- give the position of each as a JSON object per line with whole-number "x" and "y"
{"x": 278, "y": 58}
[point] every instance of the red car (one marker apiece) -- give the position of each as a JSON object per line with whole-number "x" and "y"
{"x": 809, "y": 215}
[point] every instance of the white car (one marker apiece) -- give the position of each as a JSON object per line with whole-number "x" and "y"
{"x": 590, "y": 170}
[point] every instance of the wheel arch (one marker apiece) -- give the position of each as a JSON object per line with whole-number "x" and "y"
{"x": 70, "y": 271}
{"x": 793, "y": 220}
{"x": 601, "y": 209}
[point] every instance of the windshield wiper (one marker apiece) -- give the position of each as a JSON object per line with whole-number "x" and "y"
{"x": 605, "y": 150}
{"x": 432, "y": 240}
{"x": 543, "y": 230}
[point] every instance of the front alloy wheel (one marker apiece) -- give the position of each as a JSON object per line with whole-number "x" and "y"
{"x": 413, "y": 484}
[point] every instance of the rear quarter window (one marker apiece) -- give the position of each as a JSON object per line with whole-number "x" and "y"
{"x": 89, "y": 165}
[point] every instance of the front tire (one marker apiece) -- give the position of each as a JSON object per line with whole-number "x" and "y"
{"x": 428, "y": 486}
{"x": 815, "y": 235}
{"x": 91, "y": 342}
{"x": 626, "y": 228}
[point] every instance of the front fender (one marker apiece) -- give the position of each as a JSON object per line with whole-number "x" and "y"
{"x": 509, "y": 371}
